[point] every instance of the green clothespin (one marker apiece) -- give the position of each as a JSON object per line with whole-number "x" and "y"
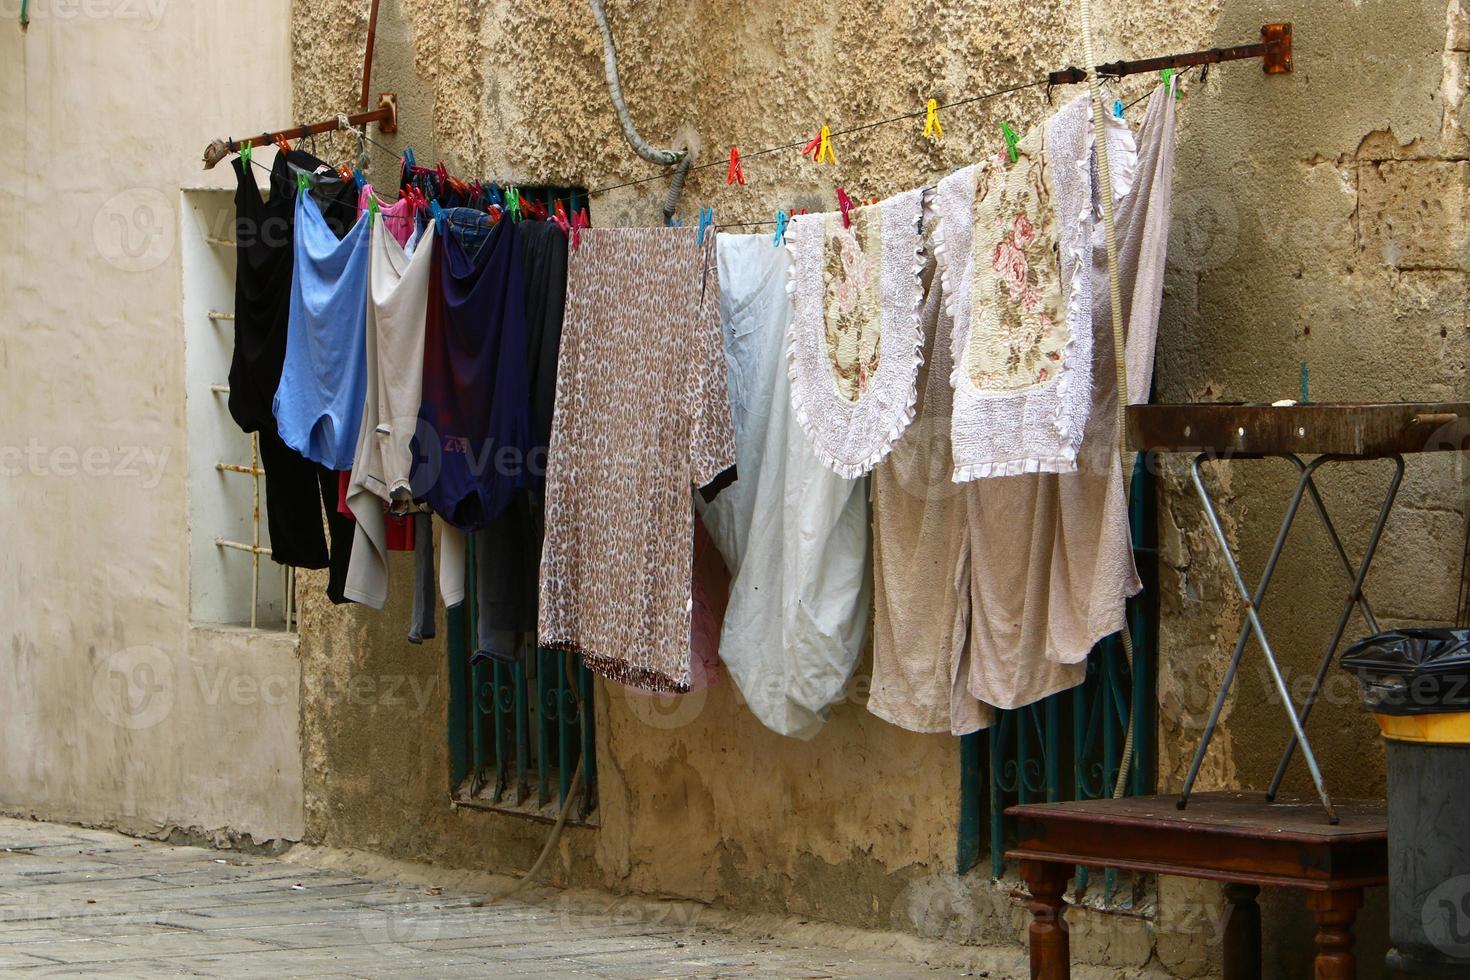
{"x": 372, "y": 210}
{"x": 1164, "y": 76}
{"x": 245, "y": 152}
{"x": 303, "y": 182}
{"x": 513, "y": 203}
{"x": 1011, "y": 139}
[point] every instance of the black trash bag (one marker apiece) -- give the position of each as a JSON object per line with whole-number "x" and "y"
{"x": 1412, "y": 671}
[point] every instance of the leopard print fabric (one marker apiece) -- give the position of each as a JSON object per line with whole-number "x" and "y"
{"x": 642, "y": 415}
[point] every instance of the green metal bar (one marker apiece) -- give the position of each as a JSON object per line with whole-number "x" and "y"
{"x": 523, "y": 734}
{"x": 588, "y": 728}
{"x": 972, "y": 761}
{"x": 563, "y": 706}
{"x": 497, "y": 709}
{"x": 477, "y": 671}
{"x": 997, "y": 798}
{"x": 1052, "y": 750}
{"x": 461, "y": 699}
{"x": 544, "y": 711}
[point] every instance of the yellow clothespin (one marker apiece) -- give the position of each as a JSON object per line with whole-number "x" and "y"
{"x": 933, "y": 129}
{"x": 820, "y": 148}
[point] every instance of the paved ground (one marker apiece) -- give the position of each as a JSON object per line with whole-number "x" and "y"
{"x": 92, "y": 903}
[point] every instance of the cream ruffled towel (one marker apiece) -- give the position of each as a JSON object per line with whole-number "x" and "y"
{"x": 1013, "y": 256}
{"x": 855, "y": 338}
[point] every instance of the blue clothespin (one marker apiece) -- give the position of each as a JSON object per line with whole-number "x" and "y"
{"x": 496, "y": 198}
{"x": 408, "y": 158}
{"x": 706, "y": 221}
{"x": 439, "y": 216}
{"x": 780, "y": 236}
{"x": 359, "y": 178}
{"x": 675, "y": 222}
{"x": 1117, "y": 108}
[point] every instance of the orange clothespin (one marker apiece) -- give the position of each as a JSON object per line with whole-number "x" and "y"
{"x": 820, "y": 148}
{"x": 844, "y": 204}
{"x": 281, "y": 144}
{"x": 737, "y": 172}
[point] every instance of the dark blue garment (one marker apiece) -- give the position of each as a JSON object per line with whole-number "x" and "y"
{"x": 474, "y": 443}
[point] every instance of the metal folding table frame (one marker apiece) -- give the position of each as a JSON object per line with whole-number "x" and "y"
{"x": 1330, "y": 433}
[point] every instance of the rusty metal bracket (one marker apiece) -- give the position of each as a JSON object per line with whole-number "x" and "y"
{"x": 1274, "y": 50}
{"x": 385, "y": 115}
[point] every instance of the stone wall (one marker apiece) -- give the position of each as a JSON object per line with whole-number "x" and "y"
{"x": 1319, "y": 216}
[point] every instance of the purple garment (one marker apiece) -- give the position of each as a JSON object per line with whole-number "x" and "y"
{"x": 473, "y": 448}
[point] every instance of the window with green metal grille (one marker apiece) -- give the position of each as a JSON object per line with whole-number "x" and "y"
{"x": 517, "y": 731}
{"x": 1070, "y": 745}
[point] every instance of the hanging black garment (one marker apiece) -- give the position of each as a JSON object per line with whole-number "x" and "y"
{"x": 264, "y": 255}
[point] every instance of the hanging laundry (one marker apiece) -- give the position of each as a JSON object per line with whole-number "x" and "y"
{"x": 475, "y": 402}
{"x": 400, "y": 217}
{"x": 397, "y": 301}
{"x": 921, "y": 544}
{"x": 855, "y": 337}
{"x": 641, "y": 417}
{"x": 511, "y": 545}
{"x": 318, "y": 405}
{"x": 1013, "y": 255}
{"x": 794, "y": 534}
{"x": 1036, "y": 621}
{"x": 264, "y": 236}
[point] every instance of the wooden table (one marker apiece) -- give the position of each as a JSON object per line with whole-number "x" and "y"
{"x": 1236, "y": 838}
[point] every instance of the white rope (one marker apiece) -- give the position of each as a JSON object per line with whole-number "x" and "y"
{"x": 1115, "y": 293}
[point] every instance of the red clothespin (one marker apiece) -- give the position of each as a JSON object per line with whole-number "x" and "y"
{"x": 533, "y": 209}
{"x": 737, "y": 172}
{"x": 282, "y": 144}
{"x": 820, "y": 148}
{"x": 559, "y": 218}
{"x": 579, "y": 221}
{"x": 496, "y": 213}
{"x": 345, "y": 174}
{"x": 844, "y": 204}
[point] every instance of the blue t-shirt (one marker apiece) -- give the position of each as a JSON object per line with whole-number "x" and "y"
{"x": 318, "y": 405}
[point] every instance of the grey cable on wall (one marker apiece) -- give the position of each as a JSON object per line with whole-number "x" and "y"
{"x": 682, "y": 158}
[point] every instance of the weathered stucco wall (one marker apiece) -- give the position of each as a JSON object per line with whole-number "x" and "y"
{"x": 1319, "y": 217}
{"x": 114, "y": 709}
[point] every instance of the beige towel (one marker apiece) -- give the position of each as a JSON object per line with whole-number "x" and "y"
{"x": 921, "y": 594}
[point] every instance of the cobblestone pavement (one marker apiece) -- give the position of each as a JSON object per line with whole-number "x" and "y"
{"x": 78, "y": 902}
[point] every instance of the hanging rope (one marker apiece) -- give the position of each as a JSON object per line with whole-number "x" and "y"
{"x": 664, "y": 158}
{"x": 1115, "y": 294}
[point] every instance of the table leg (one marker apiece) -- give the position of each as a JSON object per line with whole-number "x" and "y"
{"x": 1242, "y": 941}
{"x": 1335, "y": 912}
{"x": 1254, "y": 622}
{"x": 1354, "y": 598}
{"x": 1051, "y": 957}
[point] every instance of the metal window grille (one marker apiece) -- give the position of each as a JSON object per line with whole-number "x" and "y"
{"x": 517, "y": 731}
{"x": 1069, "y": 746}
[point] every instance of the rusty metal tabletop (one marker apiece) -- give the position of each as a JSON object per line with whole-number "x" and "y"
{"x": 1340, "y": 428}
